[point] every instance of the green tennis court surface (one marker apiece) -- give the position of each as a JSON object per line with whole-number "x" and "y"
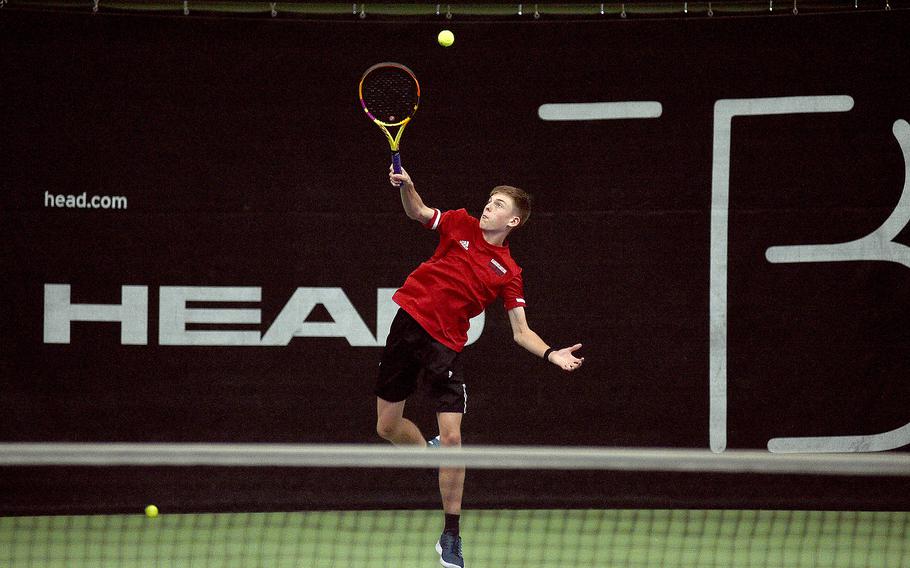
{"x": 493, "y": 539}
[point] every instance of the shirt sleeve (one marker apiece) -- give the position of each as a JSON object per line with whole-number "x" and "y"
{"x": 446, "y": 221}
{"x": 513, "y": 294}
{"x": 433, "y": 223}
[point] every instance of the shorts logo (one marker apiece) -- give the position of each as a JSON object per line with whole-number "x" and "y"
{"x": 464, "y": 244}
{"x": 498, "y": 268}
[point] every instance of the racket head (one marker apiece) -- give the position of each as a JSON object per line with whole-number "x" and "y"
{"x": 389, "y": 93}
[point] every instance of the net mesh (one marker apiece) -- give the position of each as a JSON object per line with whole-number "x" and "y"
{"x": 404, "y": 536}
{"x": 493, "y": 538}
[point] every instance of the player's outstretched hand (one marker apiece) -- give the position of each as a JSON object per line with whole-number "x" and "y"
{"x": 565, "y": 358}
{"x": 398, "y": 180}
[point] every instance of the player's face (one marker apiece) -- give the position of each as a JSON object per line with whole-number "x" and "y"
{"x": 499, "y": 213}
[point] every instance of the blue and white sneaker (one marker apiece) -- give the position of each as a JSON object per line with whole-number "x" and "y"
{"x": 434, "y": 443}
{"x": 449, "y": 549}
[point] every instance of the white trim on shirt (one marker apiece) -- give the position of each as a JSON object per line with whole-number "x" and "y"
{"x": 436, "y": 217}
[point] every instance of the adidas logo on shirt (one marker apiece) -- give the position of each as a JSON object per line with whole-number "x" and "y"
{"x": 464, "y": 244}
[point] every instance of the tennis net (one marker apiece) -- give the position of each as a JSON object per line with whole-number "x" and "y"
{"x": 507, "y": 530}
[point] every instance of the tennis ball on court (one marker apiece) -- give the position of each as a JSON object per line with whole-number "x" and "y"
{"x": 445, "y": 38}
{"x": 151, "y": 511}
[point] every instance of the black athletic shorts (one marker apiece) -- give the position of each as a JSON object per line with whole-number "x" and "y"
{"x": 411, "y": 355}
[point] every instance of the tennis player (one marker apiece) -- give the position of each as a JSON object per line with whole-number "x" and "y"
{"x": 471, "y": 268}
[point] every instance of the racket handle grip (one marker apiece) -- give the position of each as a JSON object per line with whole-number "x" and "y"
{"x": 396, "y": 162}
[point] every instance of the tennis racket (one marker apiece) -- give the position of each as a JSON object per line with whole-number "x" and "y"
{"x": 389, "y": 94}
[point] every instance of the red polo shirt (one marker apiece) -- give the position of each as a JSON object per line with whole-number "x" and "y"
{"x": 463, "y": 277}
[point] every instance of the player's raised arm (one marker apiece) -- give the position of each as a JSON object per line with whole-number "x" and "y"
{"x": 413, "y": 205}
{"x": 527, "y": 338}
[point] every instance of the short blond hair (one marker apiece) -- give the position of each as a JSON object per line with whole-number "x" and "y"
{"x": 520, "y": 197}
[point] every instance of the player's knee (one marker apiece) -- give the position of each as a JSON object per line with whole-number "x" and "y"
{"x": 450, "y": 439}
{"x": 386, "y": 428}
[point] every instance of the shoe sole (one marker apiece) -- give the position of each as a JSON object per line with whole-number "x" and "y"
{"x": 441, "y": 561}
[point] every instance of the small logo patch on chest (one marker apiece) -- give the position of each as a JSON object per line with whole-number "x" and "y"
{"x": 464, "y": 244}
{"x": 499, "y": 269}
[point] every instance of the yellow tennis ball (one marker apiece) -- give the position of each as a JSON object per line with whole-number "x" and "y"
{"x": 445, "y": 38}
{"x": 151, "y": 511}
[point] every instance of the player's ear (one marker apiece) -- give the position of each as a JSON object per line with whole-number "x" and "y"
{"x": 514, "y": 222}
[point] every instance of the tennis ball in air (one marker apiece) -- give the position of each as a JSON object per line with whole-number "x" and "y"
{"x": 151, "y": 511}
{"x": 445, "y": 38}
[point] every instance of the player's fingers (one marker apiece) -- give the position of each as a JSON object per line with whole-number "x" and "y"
{"x": 574, "y": 348}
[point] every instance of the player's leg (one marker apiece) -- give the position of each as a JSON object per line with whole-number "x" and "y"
{"x": 451, "y": 479}
{"x": 394, "y": 427}
{"x": 397, "y": 380}
{"x": 451, "y": 396}
{"x": 451, "y": 488}
{"x": 451, "y": 400}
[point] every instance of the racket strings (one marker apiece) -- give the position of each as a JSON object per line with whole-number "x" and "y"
{"x": 390, "y": 95}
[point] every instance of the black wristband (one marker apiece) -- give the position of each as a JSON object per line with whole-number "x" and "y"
{"x": 546, "y": 354}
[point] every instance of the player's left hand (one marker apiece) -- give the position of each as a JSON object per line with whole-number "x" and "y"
{"x": 565, "y": 358}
